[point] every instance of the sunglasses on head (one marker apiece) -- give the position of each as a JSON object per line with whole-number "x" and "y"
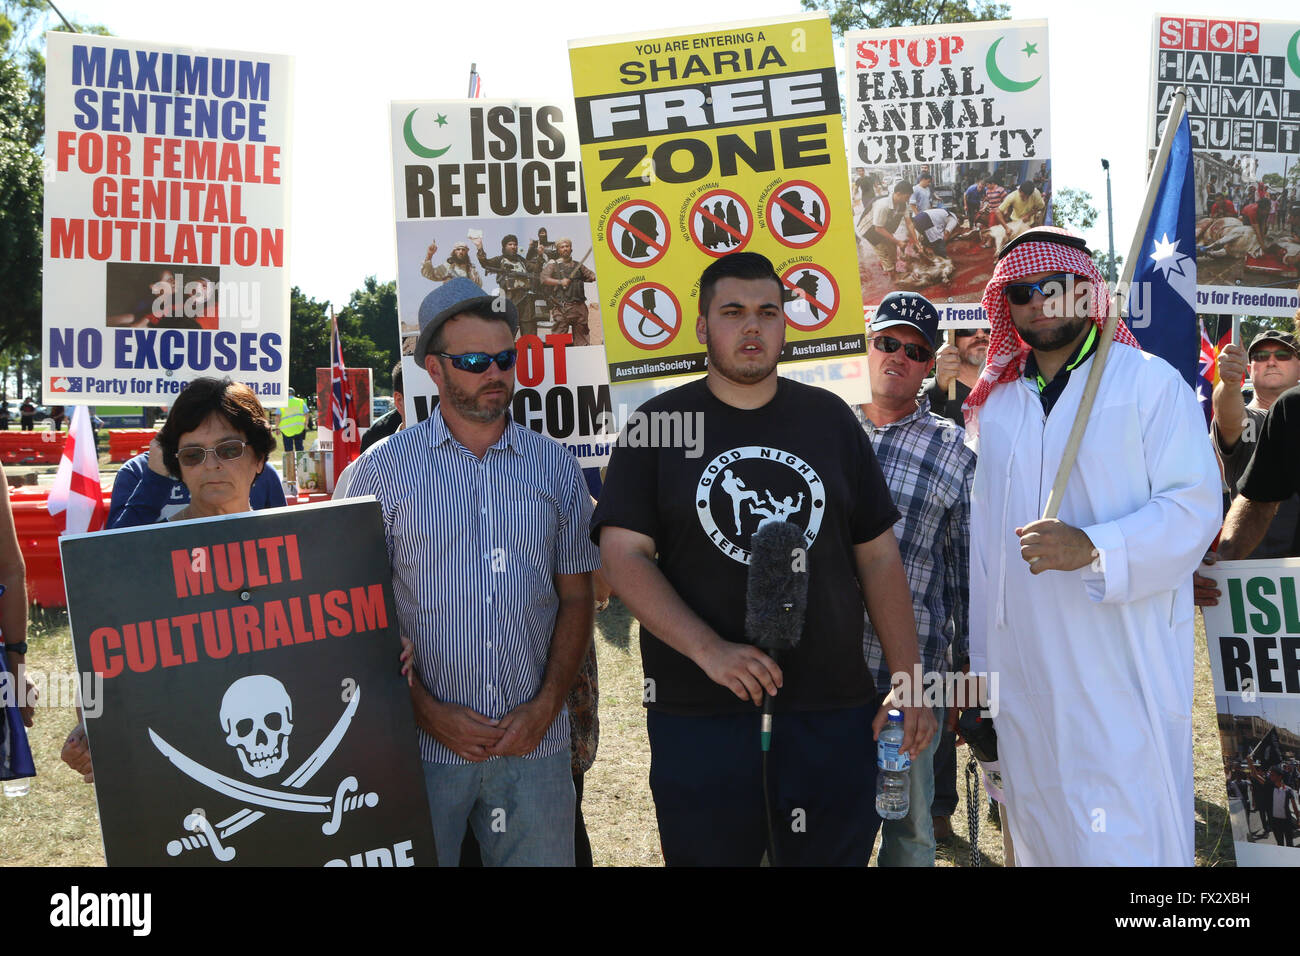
{"x": 1282, "y": 355}
{"x": 193, "y": 455}
{"x": 479, "y": 362}
{"x": 888, "y": 344}
{"x": 1022, "y": 293}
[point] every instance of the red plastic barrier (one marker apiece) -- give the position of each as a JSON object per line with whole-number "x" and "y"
{"x": 38, "y": 538}
{"x": 31, "y": 448}
{"x": 125, "y": 443}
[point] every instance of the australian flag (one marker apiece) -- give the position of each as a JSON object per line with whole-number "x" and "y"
{"x": 1162, "y": 299}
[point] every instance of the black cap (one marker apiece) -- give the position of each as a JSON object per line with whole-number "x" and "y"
{"x": 908, "y": 308}
{"x": 1274, "y": 335}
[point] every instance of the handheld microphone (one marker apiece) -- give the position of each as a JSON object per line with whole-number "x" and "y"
{"x": 776, "y": 596}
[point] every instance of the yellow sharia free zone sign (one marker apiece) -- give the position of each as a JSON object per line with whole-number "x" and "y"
{"x": 699, "y": 143}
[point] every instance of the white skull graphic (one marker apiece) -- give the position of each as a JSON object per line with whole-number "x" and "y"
{"x": 257, "y": 716}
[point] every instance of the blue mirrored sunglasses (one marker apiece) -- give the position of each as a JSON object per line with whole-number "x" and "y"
{"x": 478, "y": 362}
{"x": 1021, "y": 293}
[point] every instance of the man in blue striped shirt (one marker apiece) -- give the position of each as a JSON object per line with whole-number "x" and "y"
{"x": 487, "y": 533}
{"x": 929, "y": 471}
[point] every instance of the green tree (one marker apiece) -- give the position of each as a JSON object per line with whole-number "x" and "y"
{"x": 877, "y": 14}
{"x": 309, "y": 341}
{"x": 374, "y": 309}
{"x": 1073, "y": 209}
{"x": 22, "y": 186}
{"x": 23, "y": 24}
{"x": 309, "y": 323}
{"x": 21, "y": 195}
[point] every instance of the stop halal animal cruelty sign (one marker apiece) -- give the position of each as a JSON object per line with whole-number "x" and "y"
{"x": 253, "y": 711}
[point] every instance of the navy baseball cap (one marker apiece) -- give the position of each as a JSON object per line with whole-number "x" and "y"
{"x": 908, "y": 308}
{"x": 453, "y": 297}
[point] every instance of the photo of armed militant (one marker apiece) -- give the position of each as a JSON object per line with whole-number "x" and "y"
{"x": 515, "y": 277}
{"x": 562, "y": 279}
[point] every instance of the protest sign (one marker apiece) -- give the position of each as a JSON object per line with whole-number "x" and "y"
{"x": 701, "y": 142}
{"x": 251, "y": 711}
{"x": 1253, "y": 638}
{"x": 1243, "y": 104}
{"x": 491, "y": 190}
{"x": 166, "y": 212}
{"x": 957, "y": 115}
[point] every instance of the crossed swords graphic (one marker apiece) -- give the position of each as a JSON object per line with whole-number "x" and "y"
{"x": 205, "y": 834}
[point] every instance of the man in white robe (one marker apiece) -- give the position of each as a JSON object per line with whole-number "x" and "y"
{"x": 1086, "y": 620}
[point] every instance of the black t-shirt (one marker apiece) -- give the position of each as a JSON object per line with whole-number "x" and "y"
{"x": 802, "y": 457}
{"x": 1274, "y": 473}
{"x": 939, "y": 403}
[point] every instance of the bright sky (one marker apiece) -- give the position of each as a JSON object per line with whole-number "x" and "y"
{"x": 351, "y": 61}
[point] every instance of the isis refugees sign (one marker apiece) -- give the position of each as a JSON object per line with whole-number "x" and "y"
{"x": 252, "y": 707}
{"x": 1243, "y": 104}
{"x": 701, "y": 142}
{"x": 1253, "y": 638}
{"x": 166, "y": 205}
{"x": 491, "y": 190}
{"x": 949, "y": 140}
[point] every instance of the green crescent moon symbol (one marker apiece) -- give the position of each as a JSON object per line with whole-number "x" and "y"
{"x": 1292, "y": 54}
{"x": 1000, "y": 80}
{"x": 414, "y": 145}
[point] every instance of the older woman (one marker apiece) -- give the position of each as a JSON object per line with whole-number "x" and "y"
{"x": 216, "y": 440}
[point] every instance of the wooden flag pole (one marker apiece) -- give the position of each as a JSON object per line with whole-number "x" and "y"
{"x": 1113, "y": 313}
{"x": 952, "y": 386}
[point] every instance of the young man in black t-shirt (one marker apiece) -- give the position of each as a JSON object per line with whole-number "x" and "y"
{"x": 674, "y": 525}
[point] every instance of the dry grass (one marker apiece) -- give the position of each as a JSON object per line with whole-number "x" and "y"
{"x": 57, "y": 825}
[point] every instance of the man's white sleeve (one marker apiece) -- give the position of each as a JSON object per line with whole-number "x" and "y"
{"x": 1156, "y": 548}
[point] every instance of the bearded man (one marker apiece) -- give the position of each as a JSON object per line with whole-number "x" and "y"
{"x": 486, "y": 523}
{"x": 1086, "y": 619}
{"x": 457, "y": 265}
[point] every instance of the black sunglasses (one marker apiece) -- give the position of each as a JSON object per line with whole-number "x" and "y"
{"x": 888, "y": 344}
{"x": 968, "y": 333}
{"x": 1022, "y": 293}
{"x": 479, "y": 362}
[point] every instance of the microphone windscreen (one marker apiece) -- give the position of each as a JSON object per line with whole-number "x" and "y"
{"x": 777, "y": 589}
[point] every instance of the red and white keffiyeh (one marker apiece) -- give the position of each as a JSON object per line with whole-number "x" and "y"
{"x": 1007, "y": 350}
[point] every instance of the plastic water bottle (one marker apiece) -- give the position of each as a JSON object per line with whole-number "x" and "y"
{"x": 893, "y": 771}
{"x": 17, "y": 788}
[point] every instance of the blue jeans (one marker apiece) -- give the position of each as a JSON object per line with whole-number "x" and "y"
{"x": 910, "y": 841}
{"x": 521, "y": 809}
